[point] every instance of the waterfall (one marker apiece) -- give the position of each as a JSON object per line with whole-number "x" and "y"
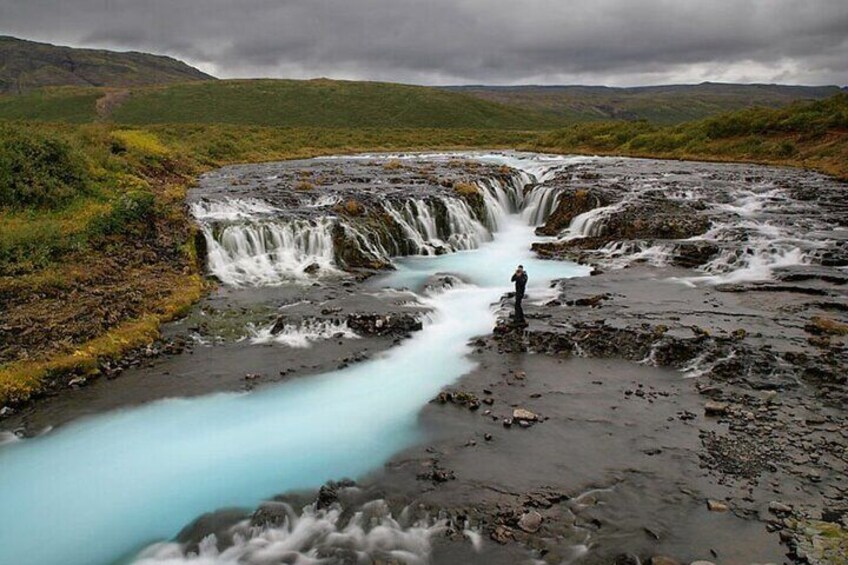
{"x": 419, "y": 227}
{"x": 539, "y": 204}
{"x": 591, "y": 223}
{"x": 369, "y": 245}
{"x": 251, "y": 242}
{"x": 269, "y": 252}
{"x": 417, "y": 218}
{"x": 466, "y": 232}
{"x": 502, "y": 199}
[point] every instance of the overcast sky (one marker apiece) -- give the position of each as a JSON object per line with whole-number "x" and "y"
{"x": 613, "y": 42}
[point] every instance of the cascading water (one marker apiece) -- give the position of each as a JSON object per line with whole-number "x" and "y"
{"x": 417, "y": 220}
{"x": 252, "y": 243}
{"x": 231, "y": 209}
{"x": 303, "y": 334}
{"x": 269, "y": 252}
{"x": 591, "y": 223}
{"x": 132, "y": 477}
{"x": 540, "y": 204}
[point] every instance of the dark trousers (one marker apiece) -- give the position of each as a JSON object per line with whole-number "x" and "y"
{"x": 519, "y": 311}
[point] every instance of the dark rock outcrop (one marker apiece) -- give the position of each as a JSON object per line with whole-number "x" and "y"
{"x": 572, "y": 203}
{"x": 383, "y": 324}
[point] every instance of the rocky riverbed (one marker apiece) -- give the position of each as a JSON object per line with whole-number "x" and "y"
{"x": 731, "y": 276}
{"x": 684, "y": 403}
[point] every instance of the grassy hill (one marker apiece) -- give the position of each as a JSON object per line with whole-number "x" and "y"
{"x": 152, "y": 89}
{"x": 806, "y": 134}
{"x": 266, "y": 102}
{"x": 27, "y": 65}
{"x": 669, "y": 104}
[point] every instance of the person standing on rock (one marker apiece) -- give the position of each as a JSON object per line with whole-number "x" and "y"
{"x": 520, "y": 280}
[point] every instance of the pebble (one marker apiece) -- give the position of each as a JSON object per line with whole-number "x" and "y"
{"x": 716, "y": 506}
{"x": 523, "y": 414}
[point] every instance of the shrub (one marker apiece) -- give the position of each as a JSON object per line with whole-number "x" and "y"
{"x": 352, "y": 207}
{"x": 465, "y": 188}
{"x": 787, "y": 148}
{"x": 131, "y": 214}
{"x": 39, "y": 171}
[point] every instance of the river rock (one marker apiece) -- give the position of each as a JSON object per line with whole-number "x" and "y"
{"x": 571, "y": 204}
{"x": 502, "y": 534}
{"x": 692, "y": 254}
{"x": 716, "y": 408}
{"x": 717, "y": 506}
{"x": 525, "y": 415}
{"x": 530, "y": 522}
{"x": 776, "y": 507}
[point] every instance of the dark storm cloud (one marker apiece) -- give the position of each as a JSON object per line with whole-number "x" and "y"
{"x": 465, "y": 41}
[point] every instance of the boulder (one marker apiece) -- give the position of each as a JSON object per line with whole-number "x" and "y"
{"x": 571, "y": 204}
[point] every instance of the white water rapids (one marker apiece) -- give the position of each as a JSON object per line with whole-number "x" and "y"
{"x": 101, "y": 489}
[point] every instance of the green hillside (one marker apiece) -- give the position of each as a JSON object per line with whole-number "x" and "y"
{"x": 668, "y": 104}
{"x": 28, "y": 65}
{"x": 805, "y": 134}
{"x": 314, "y": 103}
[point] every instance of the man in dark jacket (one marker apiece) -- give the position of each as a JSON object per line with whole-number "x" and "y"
{"x": 520, "y": 280}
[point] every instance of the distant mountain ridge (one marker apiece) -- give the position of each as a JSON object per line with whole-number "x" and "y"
{"x": 660, "y": 104}
{"x": 29, "y": 65}
{"x": 160, "y": 89}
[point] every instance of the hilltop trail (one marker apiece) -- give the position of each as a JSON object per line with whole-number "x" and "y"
{"x": 109, "y": 102}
